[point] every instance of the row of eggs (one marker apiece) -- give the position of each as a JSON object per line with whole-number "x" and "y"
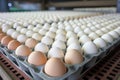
{"x": 73, "y": 54}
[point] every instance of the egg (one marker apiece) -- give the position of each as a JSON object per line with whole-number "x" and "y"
{"x": 70, "y": 33}
{"x": 89, "y": 48}
{"x": 37, "y": 58}
{"x": 30, "y": 42}
{"x": 75, "y": 46}
{"x": 56, "y": 52}
{"x": 23, "y": 30}
{"x": 61, "y": 31}
{"x": 29, "y": 33}
{"x": 77, "y": 29}
{"x": 83, "y": 39}
{"x": 22, "y": 38}
{"x": 55, "y": 67}
{"x": 41, "y": 47}
{"x": 37, "y": 36}
{"x": 73, "y": 57}
{"x": 107, "y": 38}
{"x": 5, "y": 29}
{"x": 105, "y": 30}
{"x": 114, "y": 34}
{"x": 93, "y": 35}
{"x": 18, "y": 28}
{"x": 100, "y": 43}
{"x": 2, "y": 35}
{"x": 87, "y": 31}
{"x": 99, "y": 32}
{"x": 42, "y": 31}
{"x": 50, "y": 34}
{"x": 72, "y": 40}
{"x": 47, "y": 40}
{"x": 5, "y": 40}
{"x": 36, "y": 29}
{"x": 22, "y": 50}
{"x": 12, "y": 45}
{"x": 30, "y": 27}
{"x": 81, "y": 33}
{"x": 15, "y": 34}
{"x": 10, "y": 31}
{"x": 60, "y": 37}
{"x": 59, "y": 44}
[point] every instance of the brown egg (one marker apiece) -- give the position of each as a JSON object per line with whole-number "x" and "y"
{"x": 2, "y": 35}
{"x": 73, "y": 57}
{"x": 55, "y": 67}
{"x": 22, "y": 50}
{"x": 30, "y": 42}
{"x": 37, "y": 58}
{"x": 12, "y": 45}
{"x": 5, "y": 40}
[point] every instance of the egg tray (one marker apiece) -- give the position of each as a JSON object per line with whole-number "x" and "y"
{"x": 73, "y": 73}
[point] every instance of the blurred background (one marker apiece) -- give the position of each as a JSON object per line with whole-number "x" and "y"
{"x": 79, "y": 5}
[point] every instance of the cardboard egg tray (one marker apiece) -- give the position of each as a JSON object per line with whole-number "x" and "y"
{"x": 73, "y": 72}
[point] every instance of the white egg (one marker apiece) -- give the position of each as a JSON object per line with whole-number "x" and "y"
{"x": 107, "y": 38}
{"x": 93, "y": 35}
{"x": 89, "y": 48}
{"x": 37, "y": 36}
{"x": 83, "y": 39}
{"x": 22, "y": 38}
{"x": 47, "y": 40}
{"x": 100, "y": 43}
{"x": 75, "y": 46}
{"x": 56, "y": 52}
{"x": 114, "y": 34}
{"x": 42, "y": 47}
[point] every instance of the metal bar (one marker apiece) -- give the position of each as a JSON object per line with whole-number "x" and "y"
{"x": 83, "y": 3}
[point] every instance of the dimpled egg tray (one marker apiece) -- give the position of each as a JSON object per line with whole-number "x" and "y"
{"x": 74, "y": 71}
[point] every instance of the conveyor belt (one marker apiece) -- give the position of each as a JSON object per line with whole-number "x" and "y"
{"x": 107, "y": 69}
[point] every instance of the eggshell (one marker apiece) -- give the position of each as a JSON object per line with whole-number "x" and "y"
{"x": 23, "y": 30}
{"x": 93, "y": 35}
{"x": 50, "y": 34}
{"x": 100, "y": 43}
{"x": 37, "y": 58}
{"x": 12, "y": 45}
{"x": 60, "y": 37}
{"x": 42, "y": 31}
{"x": 37, "y": 36}
{"x": 75, "y": 46}
{"x": 72, "y": 40}
{"x": 55, "y": 67}
{"x": 73, "y": 57}
{"x": 59, "y": 44}
{"x": 22, "y": 38}
{"x": 99, "y": 32}
{"x": 29, "y": 33}
{"x": 5, "y": 40}
{"x": 30, "y": 42}
{"x": 56, "y": 52}
{"x": 2, "y": 35}
{"x": 15, "y": 34}
{"x": 89, "y": 48}
{"x": 47, "y": 40}
{"x": 22, "y": 50}
{"x": 10, "y": 31}
{"x": 114, "y": 34}
{"x": 41, "y": 47}
{"x": 87, "y": 31}
{"x": 107, "y": 38}
{"x": 83, "y": 39}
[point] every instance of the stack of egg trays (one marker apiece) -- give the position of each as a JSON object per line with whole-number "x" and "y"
{"x": 73, "y": 72}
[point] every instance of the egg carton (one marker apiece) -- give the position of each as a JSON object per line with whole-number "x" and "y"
{"x": 73, "y": 72}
